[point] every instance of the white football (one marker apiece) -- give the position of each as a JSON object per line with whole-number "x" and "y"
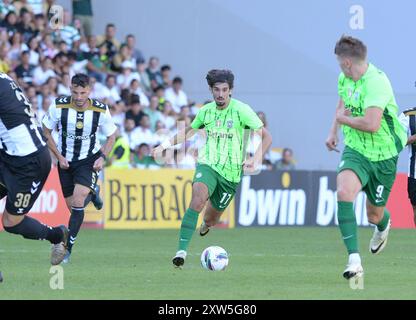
{"x": 214, "y": 258}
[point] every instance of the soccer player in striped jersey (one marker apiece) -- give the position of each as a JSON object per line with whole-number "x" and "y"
{"x": 226, "y": 122}
{"x": 25, "y": 164}
{"x": 79, "y": 153}
{"x": 408, "y": 120}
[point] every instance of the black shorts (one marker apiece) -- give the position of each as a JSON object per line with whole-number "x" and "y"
{"x": 23, "y": 180}
{"x": 411, "y": 190}
{"x": 79, "y": 172}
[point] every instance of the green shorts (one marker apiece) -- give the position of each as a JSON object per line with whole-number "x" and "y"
{"x": 221, "y": 191}
{"x": 377, "y": 177}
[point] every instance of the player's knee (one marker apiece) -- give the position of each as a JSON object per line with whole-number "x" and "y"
{"x": 344, "y": 194}
{"x": 197, "y": 203}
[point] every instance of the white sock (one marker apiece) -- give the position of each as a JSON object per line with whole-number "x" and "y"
{"x": 354, "y": 258}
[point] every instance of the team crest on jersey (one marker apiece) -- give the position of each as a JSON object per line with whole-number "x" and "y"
{"x": 79, "y": 125}
{"x": 230, "y": 124}
{"x": 356, "y": 96}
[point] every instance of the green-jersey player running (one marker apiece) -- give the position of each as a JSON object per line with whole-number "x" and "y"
{"x": 222, "y": 158}
{"x": 367, "y": 113}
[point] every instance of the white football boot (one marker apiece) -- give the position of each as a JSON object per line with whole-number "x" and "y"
{"x": 179, "y": 259}
{"x": 379, "y": 240}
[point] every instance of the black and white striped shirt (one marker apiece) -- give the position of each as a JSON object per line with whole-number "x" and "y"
{"x": 78, "y": 128}
{"x": 20, "y": 134}
{"x": 408, "y": 120}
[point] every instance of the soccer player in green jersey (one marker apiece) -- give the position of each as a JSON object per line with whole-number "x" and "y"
{"x": 222, "y": 158}
{"x": 373, "y": 137}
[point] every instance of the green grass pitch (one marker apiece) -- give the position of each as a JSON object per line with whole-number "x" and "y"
{"x": 265, "y": 263}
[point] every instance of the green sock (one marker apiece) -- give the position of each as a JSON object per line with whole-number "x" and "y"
{"x": 188, "y": 226}
{"x": 384, "y": 222}
{"x": 348, "y": 226}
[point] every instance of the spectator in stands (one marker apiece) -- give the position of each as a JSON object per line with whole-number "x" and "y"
{"x": 135, "y": 53}
{"x": 144, "y": 78}
{"x": 136, "y": 89}
{"x": 25, "y": 26}
{"x": 152, "y": 112}
{"x": 286, "y": 163}
{"x": 165, "y": 116}
{"x": 25, "y": 70}
{"x": 16, "y": 48}
{"x": 64, "y": 87}
{"x": 165, "y": 72}
{"x": 43, "y": 72}
{"x": 10, "y": 23}
{"x": 89, "y": 48}
{"x": 154, "y": 73}
{"x": 160, "y": 93}
{"x": 109, "y": 39}
{"x": 142, "y": 159}
{"x": 176, "y": 95}
{"x": 34, "y": 51}
{"x": 82, "y": 10}
{"x": 48, "y": 48}
{"x": 110, "y": 84}
{"x": 142, "y": 133}
{"x": 136, "y": 110}
{"x": 128, "y": 74}
{"x": 52, "y": 84}
{"x": 5, "y": 64}
{"x": 118, "y": 114}
{"x": 39, "y": 25}
{"x": 119, "y": 157}
{"x": 98, "y": 63}
{"x": 122, "y": 56}
{"x": 161, "y": 132}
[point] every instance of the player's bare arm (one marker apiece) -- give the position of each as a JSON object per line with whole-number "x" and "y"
{"x": 369, "y": 123}
{"x": 180, "y": 137}
{"x": 256, "y": 160}
{"x": 332, "y": 140}
{"x": 63, "y": 162}
{"x": 105, "y": 150}
{"x": 411, "y": 139}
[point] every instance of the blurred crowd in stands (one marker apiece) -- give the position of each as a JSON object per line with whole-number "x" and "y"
{"x": 42, "y": 53}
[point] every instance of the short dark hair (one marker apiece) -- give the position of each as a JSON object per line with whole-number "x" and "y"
{"x": 165, "y": 67}
{"x": 177, "y": 80}
{"x": 134, "y": 98}
{"x": 110, "y": 25}
{"x": 80, "y": 80}
{"x": 348, "y": 46}
{"x": 223, "y": 76}
{"x": 287, "y": 150}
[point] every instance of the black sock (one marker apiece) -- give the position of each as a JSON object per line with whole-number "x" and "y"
{"x": 88, "y": 199}
{"x": 75, "y": 222}
{"x": 30, "y": 228}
